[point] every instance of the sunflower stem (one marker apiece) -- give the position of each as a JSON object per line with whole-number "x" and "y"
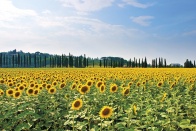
{"x": 73, "y": 121}
{"x": 101, "y": 125}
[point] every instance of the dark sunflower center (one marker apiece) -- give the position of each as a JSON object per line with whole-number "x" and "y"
{"x": 126, "y": 91}
{"x": 77, "y": 104}
{"x": 106, "y": 111}
{"x": 52, "y": 90}
{"x": 84, "y": 89}
{"x": 114, "y": 88}
{"x": 36, "y": 92}
{"x": 89, "y": 83}
{"x": 17, "y": 94}
{"x": 62, "y": 85}
{"x": 74, "y": 86}
{"x": 1, "y": 93}
{"x": 30, "y": 91}
{"x": 10, "y": 92}
{"x": 159, "y": 84}
{"x": 48, "y": 86}
{"x": 99, "y": 84}
{"x": 21, "y": 88}
{"x": 102, "y": 88}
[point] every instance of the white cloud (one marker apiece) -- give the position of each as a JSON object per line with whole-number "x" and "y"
{"x": 84, "y": 6}
{"x": 135, "y": 3}
{"x": 190, "y": 33}
{"x": 142, "y": 20}
{"x": 46, "y": 12}
{"x": 8, "y": 12}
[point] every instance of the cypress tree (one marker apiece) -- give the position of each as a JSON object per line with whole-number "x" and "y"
{"x": 165, "y": 63}
{"x": 145, "y": 63}
{"x": 156, "y": 62}
{"x": 35, "y": 61}
{"x": 13, "y": 61}
{"x": 1, "y": 60}
{"x": 18, "y": 60}
{"x": 100, "y": 63}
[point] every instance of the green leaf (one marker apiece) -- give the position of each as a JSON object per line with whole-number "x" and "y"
{"x": 185, "y": 122}
{"x": 22, "y": 126}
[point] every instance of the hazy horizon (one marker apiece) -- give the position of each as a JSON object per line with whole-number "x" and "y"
{"x": 120, "y": 28}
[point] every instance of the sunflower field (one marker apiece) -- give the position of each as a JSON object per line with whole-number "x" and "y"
{"x": 98, "y": 99}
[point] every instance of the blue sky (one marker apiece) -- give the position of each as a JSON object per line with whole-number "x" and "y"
{"x": 123, "y": 28}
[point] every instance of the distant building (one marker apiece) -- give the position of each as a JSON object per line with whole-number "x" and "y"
{"x": 175, "y": 65}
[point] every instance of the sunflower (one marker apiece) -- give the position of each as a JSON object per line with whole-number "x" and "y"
{"x": 126, "y": 91}
{"x": 30, "y": 91}
{"x": 159, "y": 84}
{"x": 134, "y": 109}
{"x": 138, "y": 84}
{"x": 2, "y": 81}
{"x": 89, "y": 83}
{"x": 105, "y": 112}
{"x": 54, "y": 83}
{"x": 73, "y": 86}
{"x": 36, "y": 92}
{"x": 172, "y": 85}
{"x": 44, "y": 85}
{"x": 113, "y": 88}
{"x": 163, "y": 98}
{"x": 98, "y": 84}
{"x": 21, "y": 88}
{"x": 77, "y": 104}
{"x": 62, "y": 85}
{"x": 130, "y": 83}
{"x": 32, "y": 85}
{"x": 79, "y": 86}
{"x": 36, "y": 86}
{"x": 1, "y": 92}
{"x": 17, "y": 94}
{"x": 84, "y": 89}
{"x": 9, "y": 92}
{"x": 52, "y": 90}
{"x": 10, "y": 84}
{"x": 102, "y": 88}
{"x": 48, "y": 86}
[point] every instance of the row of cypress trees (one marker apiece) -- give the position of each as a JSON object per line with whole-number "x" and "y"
{"x": 15, "y": 59}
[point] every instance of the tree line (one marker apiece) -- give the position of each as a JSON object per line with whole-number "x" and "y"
{"x": 14, "y": 59}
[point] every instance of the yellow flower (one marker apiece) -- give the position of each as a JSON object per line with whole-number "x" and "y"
{"x": 62, "y": 85}
{"x": 30, "y": 91}
{"x": 102, "y": 88}
{"x": 89, "y": 83}
{"x": 36, "y": 92}
{"x": 73, "y": 86}
{"x": 113, "y": 88}
{"x": 163, "y": 98}
{"x": 134, "y": 109}
{"x": 17, "y": 94}
{"x": 98, "y": 84}
{"x": 159, "y": 84}
{"x": 77, "y": 104}
{"x": 1, "y": 92}
{"x": 9, "y": 92}
{"x": 106, "y": 112}
{"x": 126, "y": 91}
{"x": 52, "y": 90}
{"x": 84, "y": 89}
